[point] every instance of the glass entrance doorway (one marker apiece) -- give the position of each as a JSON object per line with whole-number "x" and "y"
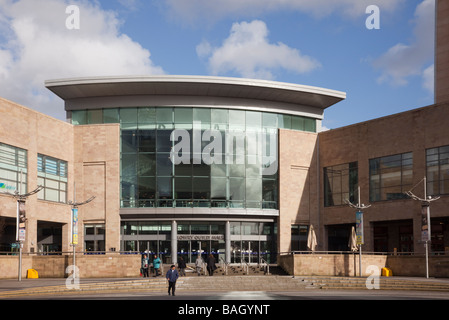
{"x": 189, "y": 250}
{"x": 245, "y": 251}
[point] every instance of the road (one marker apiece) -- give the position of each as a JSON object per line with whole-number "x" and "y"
{"x": 256, "y": 296}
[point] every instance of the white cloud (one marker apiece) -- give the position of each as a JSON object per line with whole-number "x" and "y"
{"x": 192, "y": 11}
{"x": 35, "y": 46}
{"x": 403, "y": 61}
{"x": 248, "y": 53}
{"x": 429, "y": 79}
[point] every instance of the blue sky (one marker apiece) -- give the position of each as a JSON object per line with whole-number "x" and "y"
{"x": 322, "y": 43}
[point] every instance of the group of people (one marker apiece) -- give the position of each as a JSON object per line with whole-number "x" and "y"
{"x": 172, "y": 274}
{"x": 144, "y": 270}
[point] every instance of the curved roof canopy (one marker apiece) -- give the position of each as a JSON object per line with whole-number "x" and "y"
{"x": 201, "y": 86}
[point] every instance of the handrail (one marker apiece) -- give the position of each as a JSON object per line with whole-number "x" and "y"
{"x": 265, "y": 265}
{"x": 224, "y": 265}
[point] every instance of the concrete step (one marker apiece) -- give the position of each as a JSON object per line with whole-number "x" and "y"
{"x": 235, "y": 283}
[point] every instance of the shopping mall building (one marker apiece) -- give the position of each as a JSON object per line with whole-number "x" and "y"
{"x": 181, "y": 165}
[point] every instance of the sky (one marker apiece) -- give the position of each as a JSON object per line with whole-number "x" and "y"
{"x": 323, "y": 43}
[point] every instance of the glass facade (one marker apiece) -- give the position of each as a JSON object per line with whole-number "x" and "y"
{"x": 226, "y": 158}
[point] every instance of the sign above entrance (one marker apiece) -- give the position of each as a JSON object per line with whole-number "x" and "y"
{"x": 200, "y": 237}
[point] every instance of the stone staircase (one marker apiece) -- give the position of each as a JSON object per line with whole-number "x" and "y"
{"x": 239, "y": 270}
{"x": 218, "y": 283}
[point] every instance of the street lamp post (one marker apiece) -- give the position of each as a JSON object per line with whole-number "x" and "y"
{"x": 425, "y": 218}
{"x": 74, "y": 225}
{"x": 21, "y": 218}
{"x": 359, "y": 226}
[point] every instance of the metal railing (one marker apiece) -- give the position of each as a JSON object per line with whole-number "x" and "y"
{"x": 435, "y": 253}
{"x": 265, "y": 265}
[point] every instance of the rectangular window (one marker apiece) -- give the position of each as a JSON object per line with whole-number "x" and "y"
{"x": 340, "y": 184}
{"x": 52, "y": 174}
{"x": 437, "y": 163}
{"x": 13, "y": 169}
{"x": 391, "y": 177}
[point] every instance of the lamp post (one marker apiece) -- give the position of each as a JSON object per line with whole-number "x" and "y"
{"x": 21, "y": 218}
{"x": 359, "y": 226}
{"x": 74, "y": 225}
{"x": 425, "y": 218}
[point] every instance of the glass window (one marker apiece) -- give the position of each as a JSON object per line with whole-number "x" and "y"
{"x": 164, "y": 115}
{"x": 164, "y": 164}
{"x": 147, "y": 118}
{"x": 163, "y": 141}
{"x": 128, "y": 115}
{"x": 202, "y": 115}
{"x": 237, "y": 189}
{"x": 391, "y": 177}
{"x": 219, "y": 116}
{"x": 52, "y": 174}
{"x": 183, "y": 188}
{"x": 13, "y": 168}
{"x": 147, "y": 141}
{"x": 111, "y": 116}
{"x": 340, "y": 184}
{"x": 270, "y": 120}
{"x": 297, "y": 123}
{"x": 253, "y": 120}
{"x": 95, "y": 116}
{"x": 201, "y": 188}
{"x": 237, "y": 120}
{"x": 79, "y": 117}
{"x": 437, "y": 161}
{"x": 183, "y": 118}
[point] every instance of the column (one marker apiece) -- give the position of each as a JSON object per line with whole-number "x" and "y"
{"x": 228, "y": 242}
{"x": 174, "y": 242}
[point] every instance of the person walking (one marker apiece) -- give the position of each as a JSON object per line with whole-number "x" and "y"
{"x": 211, "y": 265}
{"x": 182, "y": 267}
{"x": 199, "y": 265}
{"x": 172, "y": 276}
{"x": 145, "y": 264}
{"x": 156, "y": 265}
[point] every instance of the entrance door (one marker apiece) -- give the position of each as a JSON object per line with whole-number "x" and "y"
{"x": 250, "y": 251}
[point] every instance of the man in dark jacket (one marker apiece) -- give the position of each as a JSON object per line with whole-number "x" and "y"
{"x": 172, "y": 276}
{"x": 211, "y": 265}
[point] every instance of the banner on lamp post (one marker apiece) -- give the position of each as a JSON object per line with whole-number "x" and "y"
{"x": 359, "y": 228}
{"x": 425, "y": 222}
{"x": 21, "y": 221}
{"x": 74, "y": 226}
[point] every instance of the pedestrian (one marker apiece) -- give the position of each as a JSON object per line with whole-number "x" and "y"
{"x": 172, "y": 276}
{"x": 182, "y": 267}
{"x": 145, "y": 264}
{"x": 156, "y": 265}
{"x": 211, "y": 265}
{"x": 198, "y": 265}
